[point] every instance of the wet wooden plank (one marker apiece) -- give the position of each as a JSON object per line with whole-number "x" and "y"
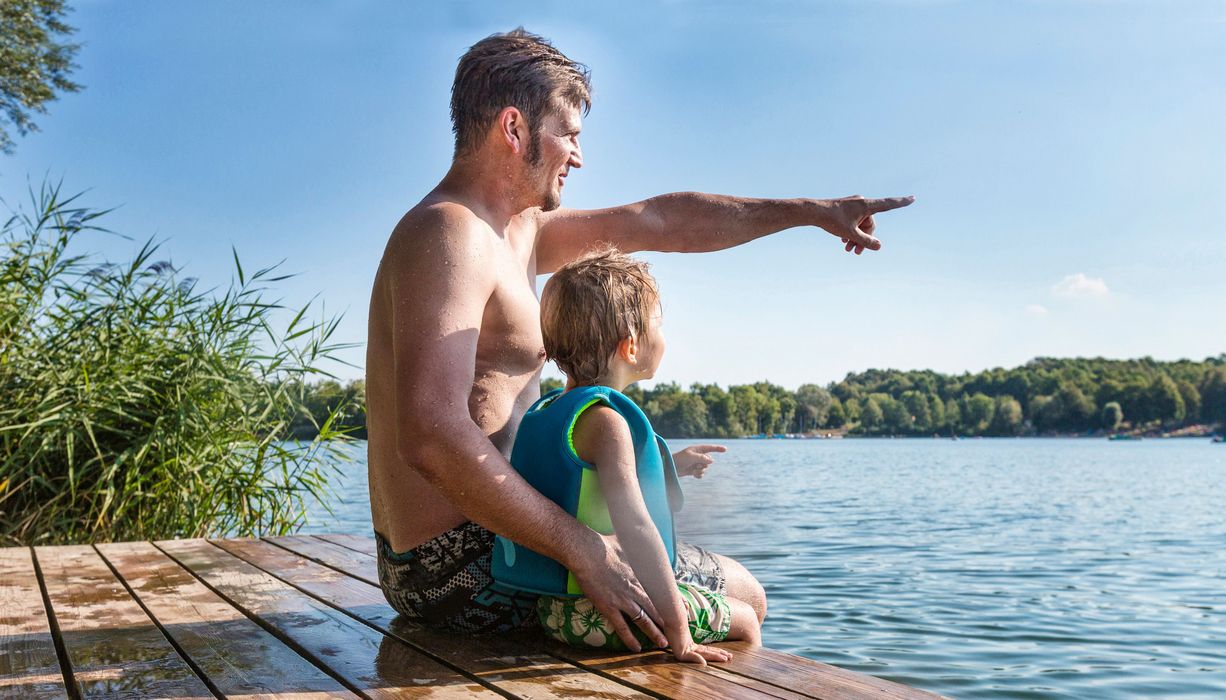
{"x": 776, "y": 690}
{"x": 235, "y": 654}
{"x": 357, "y": 543}
{"x": 359, "y": 654}
{"x": 815, "y": 678}
{"x": 363, "y": 566}
{"x": 514, "y": 668}
{"x": 765, "y": 669}
{"x": 658, "y": 672}
{"x": 112, "y": 646}
{"x": 29, "y": 667}
{"x": 328, "y": 553}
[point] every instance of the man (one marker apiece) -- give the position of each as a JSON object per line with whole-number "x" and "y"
{"x": 455, "y": 352}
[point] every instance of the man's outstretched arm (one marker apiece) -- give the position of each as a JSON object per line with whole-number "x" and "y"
{"x": 693, "y": 222}
{"x": 440, "y": 283}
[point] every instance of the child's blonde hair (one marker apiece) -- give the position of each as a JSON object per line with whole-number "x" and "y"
{"x": 590, "y": 305}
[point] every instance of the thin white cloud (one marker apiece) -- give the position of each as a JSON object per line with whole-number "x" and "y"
{"x": 1036, "y": 310}
{"x": 1079, "y": 286}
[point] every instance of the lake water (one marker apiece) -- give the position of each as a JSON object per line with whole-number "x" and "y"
{"x": 1025, "y": 568}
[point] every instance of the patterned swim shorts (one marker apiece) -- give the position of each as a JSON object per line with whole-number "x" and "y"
{"x": 696, "y": 566}
{"x": 577, "y": 622}
{"x": 446, "y": 583}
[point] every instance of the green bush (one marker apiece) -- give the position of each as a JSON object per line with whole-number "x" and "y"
{"x": 135, "y": 406}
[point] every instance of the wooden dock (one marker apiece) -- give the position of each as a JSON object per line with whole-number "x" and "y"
{"x": 303, "y": 617}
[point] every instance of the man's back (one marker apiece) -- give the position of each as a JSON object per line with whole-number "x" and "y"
{"x": 453, "y": 300}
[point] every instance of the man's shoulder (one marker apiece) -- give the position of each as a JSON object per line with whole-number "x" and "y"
{"x": 439, "y": 232}
{"x": 441, "y": 219}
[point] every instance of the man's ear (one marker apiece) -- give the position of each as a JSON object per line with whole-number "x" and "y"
{"x": 513, "y": 129}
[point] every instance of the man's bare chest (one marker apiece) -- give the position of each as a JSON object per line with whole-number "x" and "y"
{"x": 510, "y": 336}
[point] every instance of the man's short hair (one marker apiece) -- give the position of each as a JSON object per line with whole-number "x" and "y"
{"x": 516, "y": 69}
{"x": 588, "y": 307}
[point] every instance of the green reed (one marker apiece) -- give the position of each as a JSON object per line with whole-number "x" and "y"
{"x": 135, "y": 405}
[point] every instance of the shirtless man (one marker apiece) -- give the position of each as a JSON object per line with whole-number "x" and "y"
{"x": 454, "y": 351}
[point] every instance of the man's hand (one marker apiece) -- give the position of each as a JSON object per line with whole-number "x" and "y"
{"x": 851, "y": 219}
{"x": 694, "y": 460}
{"x": 609, "y": 582}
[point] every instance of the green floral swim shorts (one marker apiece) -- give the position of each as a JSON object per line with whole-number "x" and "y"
{"x": 577, "y": 622}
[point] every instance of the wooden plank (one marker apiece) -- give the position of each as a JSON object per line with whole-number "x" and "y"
{"x": 658, "y": 672}
{"x": 815, "y": 678}
{"x": 328, "y": 553}
{"x": 795, "y": 674}
{"x": 112, "y": 646}
{"x": 29, "y": 666}
{"x": 322, "y": 549}
{"x": 328, "y": 550}
{"x": 358, "y": 543}
{"x": 513, "y": 668}
{"x": 356, "y": 652}
{"x": 236, "y": 655}
{"x": 768, "y": 688}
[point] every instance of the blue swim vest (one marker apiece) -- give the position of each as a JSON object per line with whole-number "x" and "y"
{"x": 544, "y": 454}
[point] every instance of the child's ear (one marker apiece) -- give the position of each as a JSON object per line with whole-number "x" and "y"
{"x": 628, "y": 349}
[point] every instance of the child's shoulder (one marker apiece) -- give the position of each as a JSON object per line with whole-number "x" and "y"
{"x": 599, "y": 431}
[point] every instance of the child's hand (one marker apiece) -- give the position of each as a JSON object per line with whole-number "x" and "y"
{"x": 694, "y": 460}
{"x": 700, "y": 654}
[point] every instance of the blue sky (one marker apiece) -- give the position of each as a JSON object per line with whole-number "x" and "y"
{"x": 1068, "y": 160}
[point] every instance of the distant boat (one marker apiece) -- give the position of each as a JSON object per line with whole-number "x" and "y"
{"x": 1123, "y": 436}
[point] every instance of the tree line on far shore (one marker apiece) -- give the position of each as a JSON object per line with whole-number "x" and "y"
{"x": 1046, "y": 396}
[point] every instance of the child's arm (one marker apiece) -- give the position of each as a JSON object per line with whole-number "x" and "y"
{"x": 603, "y": 438}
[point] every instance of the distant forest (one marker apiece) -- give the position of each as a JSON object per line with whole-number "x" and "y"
{"x": 1046, "y": 396}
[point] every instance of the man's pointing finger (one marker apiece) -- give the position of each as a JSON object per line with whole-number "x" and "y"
{"x": 876, "y": 206}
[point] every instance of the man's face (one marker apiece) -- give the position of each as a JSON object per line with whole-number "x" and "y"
{"x": 651, "y": 345}
{"x": 553, "y": 149}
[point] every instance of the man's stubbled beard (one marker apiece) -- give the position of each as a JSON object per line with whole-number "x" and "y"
{"x": 549, "y": 200}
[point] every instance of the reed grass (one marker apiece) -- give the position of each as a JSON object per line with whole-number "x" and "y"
{"x": 136, "y": 405}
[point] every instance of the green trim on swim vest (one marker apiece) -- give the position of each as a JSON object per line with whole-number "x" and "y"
{"x": 570, "y": 430}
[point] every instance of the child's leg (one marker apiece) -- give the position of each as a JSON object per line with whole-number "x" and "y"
{"x": 743, "y": 586}
{"x": 745, "y": 625}
{"x": 715, "y": 617}
{"x": 717, "y": 572}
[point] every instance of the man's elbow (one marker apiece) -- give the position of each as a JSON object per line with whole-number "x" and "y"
{"x": 426, "y": 446}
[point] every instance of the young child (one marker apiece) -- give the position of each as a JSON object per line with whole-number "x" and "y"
{"x": 592, "y": 451}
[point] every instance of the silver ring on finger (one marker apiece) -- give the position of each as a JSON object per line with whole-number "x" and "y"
{"x": 639, "y": 615}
